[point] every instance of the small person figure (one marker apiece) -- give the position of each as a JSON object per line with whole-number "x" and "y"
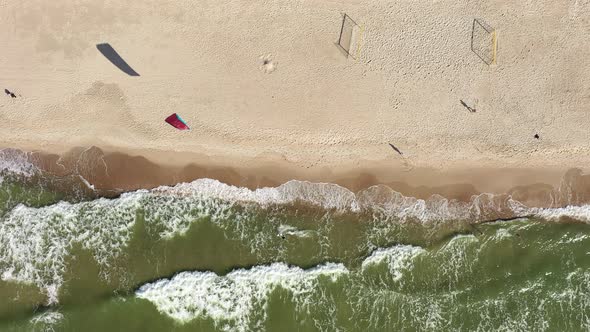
{"x": 469, "y": 108}
{"x": 396, "y": 149}
{"x": 9, "y": 93}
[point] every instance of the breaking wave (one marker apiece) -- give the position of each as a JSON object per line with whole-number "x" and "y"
{"x": 390, "y": 290}
{"x": 16, "y": 162}
{"x": 37, "y": 241}
{"x": 379, "y": 200}
{"x": 46, "y": 321}
{"x": 239, "y": 298}
{"x": 398, "y": 259}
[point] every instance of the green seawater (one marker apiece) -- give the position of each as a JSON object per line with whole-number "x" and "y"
{"x": 165, "y": 262}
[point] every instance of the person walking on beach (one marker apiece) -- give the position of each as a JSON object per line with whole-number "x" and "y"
{"x": 471, "y": 109}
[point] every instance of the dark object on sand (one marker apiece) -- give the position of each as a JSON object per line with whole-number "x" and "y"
{"x": 109, "y": 52}
{"x": 471, "y": 109}
{"x": 396, "y": 149}
{"x": 9, "y": 93}
{"x": 537, "y": 136}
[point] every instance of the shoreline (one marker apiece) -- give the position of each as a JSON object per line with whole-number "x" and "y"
{"x": 108, "y": 171}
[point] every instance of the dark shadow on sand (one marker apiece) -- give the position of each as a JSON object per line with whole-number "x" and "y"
{"x": 109, "y": 52}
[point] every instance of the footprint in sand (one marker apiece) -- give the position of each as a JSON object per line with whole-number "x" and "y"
{"x": 268, "y": 66}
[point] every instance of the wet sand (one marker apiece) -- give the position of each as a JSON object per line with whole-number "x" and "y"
{"x": 111, "y": 173}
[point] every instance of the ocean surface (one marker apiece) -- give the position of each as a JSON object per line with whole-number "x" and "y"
{"x": 205, "y": 256}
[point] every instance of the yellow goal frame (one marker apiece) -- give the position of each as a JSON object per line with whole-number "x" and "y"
{"x": 494, "y": 46}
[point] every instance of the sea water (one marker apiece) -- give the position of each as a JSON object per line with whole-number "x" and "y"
{"x": 206, "y": 256}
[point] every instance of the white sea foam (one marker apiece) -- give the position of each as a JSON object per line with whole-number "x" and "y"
{"x": 531, "y": 286}
{"x": 398, "y": 259}
{"x": 293, "y": 231}
{"x": 326, "y": 195}
{"x": 16, "y": 162}
{"x": 576, "y": 239}
{"x": 47, "y": 320}
{"x": 460, "y": 253}
{"x": 36, "y": 241}
{"x": 382, "y": 199}
{"x": 580, "y": 213}
{"x": 86, "y": 183}
{"x": 501, "y": 234}
{"x": 233, "y": 300}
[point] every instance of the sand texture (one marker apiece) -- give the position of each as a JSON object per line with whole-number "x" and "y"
{"x": 264, "y": 80}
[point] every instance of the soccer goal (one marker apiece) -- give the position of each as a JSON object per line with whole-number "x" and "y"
{"x": 349, "y": 40}
{"x": 484, "y": 42}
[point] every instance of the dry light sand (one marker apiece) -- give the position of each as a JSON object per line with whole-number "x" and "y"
{"x": 264, "y": 81}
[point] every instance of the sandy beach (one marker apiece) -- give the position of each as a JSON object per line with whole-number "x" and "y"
{"x": 270, "y": 96}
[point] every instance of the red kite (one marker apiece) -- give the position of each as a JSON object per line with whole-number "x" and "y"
{"x": 177, "y": 122}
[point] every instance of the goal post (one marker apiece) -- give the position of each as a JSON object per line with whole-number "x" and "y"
{"x": 484, "y": 42}
{"x": 349, "y": 40}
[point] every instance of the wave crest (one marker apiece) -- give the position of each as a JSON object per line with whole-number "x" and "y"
{"x": 234, "y": 298}
{"x": 381, "y": 200}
